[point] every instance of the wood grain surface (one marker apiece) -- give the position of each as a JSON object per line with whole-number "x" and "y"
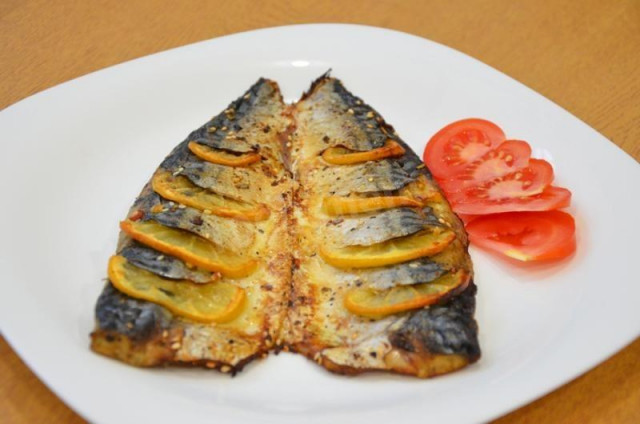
{"x": 583, "y": 55}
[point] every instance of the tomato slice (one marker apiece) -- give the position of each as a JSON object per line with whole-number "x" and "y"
{"x": 510, "y": 156}
{"x": 526, "y": 236}
{"x": 528, "y": 181}
{"x": 550, "y": 198}
{"x": 457, "y": 145}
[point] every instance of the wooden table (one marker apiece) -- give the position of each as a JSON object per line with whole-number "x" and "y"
{"x": 584, "y": 55}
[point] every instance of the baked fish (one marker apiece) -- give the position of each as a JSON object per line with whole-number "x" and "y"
{"x": 199, "y": 276}
{"x": 309, "y": 227}
{"x": 383, "y": 280}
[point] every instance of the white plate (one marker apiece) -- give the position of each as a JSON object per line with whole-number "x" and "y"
{"x": 75, "y": 156}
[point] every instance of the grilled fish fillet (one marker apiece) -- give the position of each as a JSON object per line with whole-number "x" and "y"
{"x": 145, "y": 334}
{"x": 273, "y": 211}
{"x": 424, "y": 342}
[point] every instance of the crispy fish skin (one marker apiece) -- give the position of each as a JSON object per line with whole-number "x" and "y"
{"x": 145, "y": 334}
{"x": 423, "y": 342}
{"x": 163, "y": 265}
{"x": 370, "y": 228}
{"x": 422, "y": 270}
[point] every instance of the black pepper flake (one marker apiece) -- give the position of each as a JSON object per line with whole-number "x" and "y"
{"x": 373, "y": 354}
{"x": 266, "y": 129}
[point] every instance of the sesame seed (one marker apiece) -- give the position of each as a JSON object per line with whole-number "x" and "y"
{"x": 165, "y": 333}
{"x": 370, "y": 115}
{"x": 212, "y": 129}
{"x": 246, "y": 96}
{"x": 420, "y": 166}
{"x": 210, "y": 364}
{"x": 207, "y": 212}
{"x": 178, "y": 171}
{"x": 225, "y": 368}
{"x": 159, "y": 258}
{"x": 176, "y": 346}
{"x": 224, "y": 128}
{"x": 181, "y": 206}
{"x": 370, "y": 179}
{"x": 350, "y": 111}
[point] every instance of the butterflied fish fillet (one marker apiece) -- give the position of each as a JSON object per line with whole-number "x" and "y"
{"x": 147, "y": 334}
{"x": 384, "y": 283}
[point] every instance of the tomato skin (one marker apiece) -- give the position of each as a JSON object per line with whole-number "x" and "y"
{"x": 508, "y": 157}
{"x": 458, "y": 144}
{"x": 551, "y": 198}
{"x": 525, "y": 236}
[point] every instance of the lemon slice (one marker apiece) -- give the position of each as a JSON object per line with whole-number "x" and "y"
{"x": 342, "y": 156}
{"x": 425, "y": 243}
{"x": 373, "y": 303}
{"x": 214, "y": 302}
{"x": 180, "y": 189}
{"x": 189, "y": 247}
{"x": 222, "y": 158}
{"x": 336, "y": 205}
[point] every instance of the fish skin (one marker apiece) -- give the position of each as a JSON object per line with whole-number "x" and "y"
{"x": 423, "y": 270}
{"x": 116, "y": 312}
{"x": 359, "y": 129}
{"x": 233, "y": 182}
{"x": 228, "y": 233}
{"x": 446, "y": 329}
{"x": 167, "y": 267}
{"x": 236, "y": 118}
{"x": 371, "y": 228}
{"x": 369, "y": 177}
{"x": 231, "y": 234}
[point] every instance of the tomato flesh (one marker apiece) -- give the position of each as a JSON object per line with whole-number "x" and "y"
{"x": 550, "y": 198}
{"x": 510, "y": 156}
{"x": 458, "y": 144}
{"x": 525, "y": 182}
{"x": 525, "y": 236}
